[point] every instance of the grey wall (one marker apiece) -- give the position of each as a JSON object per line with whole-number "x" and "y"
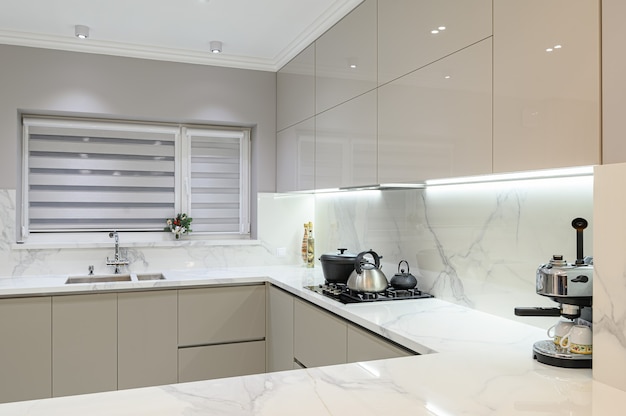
{"x": 48, "y": 81}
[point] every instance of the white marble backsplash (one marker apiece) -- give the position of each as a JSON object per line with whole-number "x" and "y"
{"x": 474, "y": 244}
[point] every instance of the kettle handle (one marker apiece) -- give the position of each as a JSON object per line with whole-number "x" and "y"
{"x": 407, "y": 266}
{"x": 359, "y": 259}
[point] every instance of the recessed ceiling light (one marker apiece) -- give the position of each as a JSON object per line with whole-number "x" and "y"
{"x": 434, "y": 31}
{"x": 557, "y": 46}
{"x": 549, "y": 50}
{"x": 441, "y": 28}
{"x": 216, "y": 46}
{"x": 81, "y": 32}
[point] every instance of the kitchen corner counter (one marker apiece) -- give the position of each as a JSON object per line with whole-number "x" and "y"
{"x": 474, "y": 364}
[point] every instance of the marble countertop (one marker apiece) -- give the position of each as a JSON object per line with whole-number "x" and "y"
{"x": 473, "y": 364}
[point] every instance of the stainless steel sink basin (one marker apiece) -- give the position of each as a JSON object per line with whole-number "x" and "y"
{"x": 99, "y": 278}
{"x": 150, "y": 276}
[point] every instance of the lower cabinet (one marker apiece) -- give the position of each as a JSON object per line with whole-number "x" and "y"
{"x": 319, "y": 337}
{"x": 147, "y": 338}
{"x": 223, "y": 360}
{"x": 25, "y": 358}
{"x": 279, "y": 329}
{"x": 221, "y": 332}
{"x": 84, "y": 344}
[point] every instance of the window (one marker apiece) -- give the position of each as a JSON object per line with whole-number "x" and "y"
{"x": 92, "y": 176}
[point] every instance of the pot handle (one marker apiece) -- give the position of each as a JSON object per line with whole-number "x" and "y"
{"x": 359, "y": 259}
{"x": 407, "y": 267}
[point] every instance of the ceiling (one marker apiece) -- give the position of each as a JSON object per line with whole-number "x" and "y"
{"x": 255, "y": 34}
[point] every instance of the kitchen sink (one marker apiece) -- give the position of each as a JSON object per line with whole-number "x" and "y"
{"x": 150, "y": 276}
{"x": 99, "y": 278}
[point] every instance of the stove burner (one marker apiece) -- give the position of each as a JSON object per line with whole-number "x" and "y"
{"x": 341, "y": 293}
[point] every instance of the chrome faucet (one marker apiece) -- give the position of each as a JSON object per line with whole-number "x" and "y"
{"x": 117, "y": 261}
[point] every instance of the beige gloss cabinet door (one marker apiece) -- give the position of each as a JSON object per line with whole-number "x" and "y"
{"x": 346, "y": 144}
{"x": 345, "y": 58}
{"x": 147, "y": 339}
{"x": 436, "y": 122}
{"x": 220, "y": 315}
{"x": 405, "y": 38}
{"x": 279, "y": 329}
{"x": 84, "y": 344}
{"x": 25, "y": 360}
{"x": 295, "y": 157}
{"x": 295, "y": 89}
{"x": 546, "y": 84}
{"x": 363, "y": 346}
{"x": 613, "y": 81}
{"x": 319, "y": 337}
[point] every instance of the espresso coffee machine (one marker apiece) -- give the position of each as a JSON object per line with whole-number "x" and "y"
{"x": 570, "y": 285}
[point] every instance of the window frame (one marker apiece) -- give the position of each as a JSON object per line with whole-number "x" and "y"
{"x": 182, "y": 172}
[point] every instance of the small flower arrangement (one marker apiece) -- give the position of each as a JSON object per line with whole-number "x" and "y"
{"x": 179, "y": 225}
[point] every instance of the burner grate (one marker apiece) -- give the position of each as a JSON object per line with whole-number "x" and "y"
{"x": 341, "y": 293}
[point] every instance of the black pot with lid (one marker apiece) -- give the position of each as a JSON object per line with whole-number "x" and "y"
{"x": 337, "y": 267}
{"x": 403, "y": 280}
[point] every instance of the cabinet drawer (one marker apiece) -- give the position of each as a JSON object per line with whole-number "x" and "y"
{"x": 220, "y": 315}
{"x": 217, "y": 361}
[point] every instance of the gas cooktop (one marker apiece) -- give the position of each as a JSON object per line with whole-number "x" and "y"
{"x": 341, "y": 293}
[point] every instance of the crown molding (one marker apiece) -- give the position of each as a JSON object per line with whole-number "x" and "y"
{"x": 134, "y": 51}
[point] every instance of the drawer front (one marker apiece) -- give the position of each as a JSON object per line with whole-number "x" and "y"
{"x": 220, "y": 315}
{"x": 224, "y": 360}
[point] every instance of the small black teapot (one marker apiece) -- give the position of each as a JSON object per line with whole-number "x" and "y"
{"x": 402, "y": 280}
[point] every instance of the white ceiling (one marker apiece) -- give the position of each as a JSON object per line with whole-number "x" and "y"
{"x": 256, "y": 34}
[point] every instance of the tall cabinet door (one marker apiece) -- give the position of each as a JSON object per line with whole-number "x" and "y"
{"x": 546, "y": 84}
{"x": 613, "y": 82}
{"x": 279, "y": 329}
{"x": 25, "y": 361}
{"x": 147, "y": 338}
{"x": 84, "y": 344}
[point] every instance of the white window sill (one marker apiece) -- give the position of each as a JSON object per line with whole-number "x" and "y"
{"x": 135, "y": 240}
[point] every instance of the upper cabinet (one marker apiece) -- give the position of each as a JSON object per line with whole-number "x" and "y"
{"x": 295, "y": 157}
{"x": 546, "y": 84}
{"x": 413, "y": 33}
{"x": 345, "y": 144}
{"x": 345, "y": 58}
{"x": 436, "y": 122}
{"x": 613, "y": 82}
{"x": 295, "y": 90}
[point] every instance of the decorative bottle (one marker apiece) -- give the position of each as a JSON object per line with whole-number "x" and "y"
{"x": 305, "y": 246}
{"x": 310, "y": 244}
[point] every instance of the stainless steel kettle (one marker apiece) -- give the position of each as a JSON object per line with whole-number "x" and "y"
{"x": 367, "y": 277}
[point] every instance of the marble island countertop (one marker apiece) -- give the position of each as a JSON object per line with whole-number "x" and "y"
{"x": 474, "y": 364}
